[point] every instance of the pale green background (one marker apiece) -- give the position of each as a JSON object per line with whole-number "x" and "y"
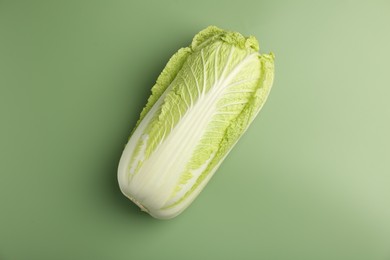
{"x": 309, "y": 181}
